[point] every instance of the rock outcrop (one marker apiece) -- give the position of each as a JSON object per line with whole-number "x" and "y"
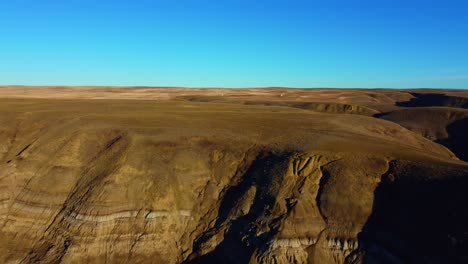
{"x": 123, "y": 181}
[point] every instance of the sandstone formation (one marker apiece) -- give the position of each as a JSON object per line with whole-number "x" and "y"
{"x": 173, "y": 175}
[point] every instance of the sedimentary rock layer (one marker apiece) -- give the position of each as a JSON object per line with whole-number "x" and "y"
{"x": 123, "y": 181}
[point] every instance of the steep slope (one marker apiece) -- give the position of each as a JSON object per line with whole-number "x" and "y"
{"x": 416, "y": 216}
{"x": 169, "y": 182}
{"x": 435, "y": 99}
{"x": 444, "y": 125}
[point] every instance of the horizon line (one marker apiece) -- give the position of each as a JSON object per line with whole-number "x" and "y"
{"x": 221, "y": 87}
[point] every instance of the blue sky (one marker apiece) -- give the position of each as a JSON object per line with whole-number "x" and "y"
{"x": 235, "y": 43}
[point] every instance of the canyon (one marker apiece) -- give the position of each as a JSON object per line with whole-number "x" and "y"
{"x": 257, "y": 175}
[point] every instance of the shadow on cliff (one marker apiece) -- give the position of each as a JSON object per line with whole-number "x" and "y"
{"x": 419, "y": 216}
{"x": 457, "y": 140}
{"x": 246, "y": 232}
{"x": 421, "y": 100}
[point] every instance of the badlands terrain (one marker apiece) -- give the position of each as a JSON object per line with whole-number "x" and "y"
{"x": 271, "y": 175}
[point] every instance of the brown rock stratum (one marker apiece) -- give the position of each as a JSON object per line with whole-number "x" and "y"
{"x": 272, "y": 175}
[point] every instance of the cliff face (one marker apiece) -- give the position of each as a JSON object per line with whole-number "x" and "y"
{"x": 190, "y": 182}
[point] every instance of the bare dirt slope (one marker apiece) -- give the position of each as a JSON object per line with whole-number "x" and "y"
{"x": 276, "y": 175}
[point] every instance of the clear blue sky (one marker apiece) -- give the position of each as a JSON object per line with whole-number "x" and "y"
{"x": 235, "y": 43}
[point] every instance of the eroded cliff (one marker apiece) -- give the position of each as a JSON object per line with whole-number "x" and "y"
{"x": 189, "y": 182}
